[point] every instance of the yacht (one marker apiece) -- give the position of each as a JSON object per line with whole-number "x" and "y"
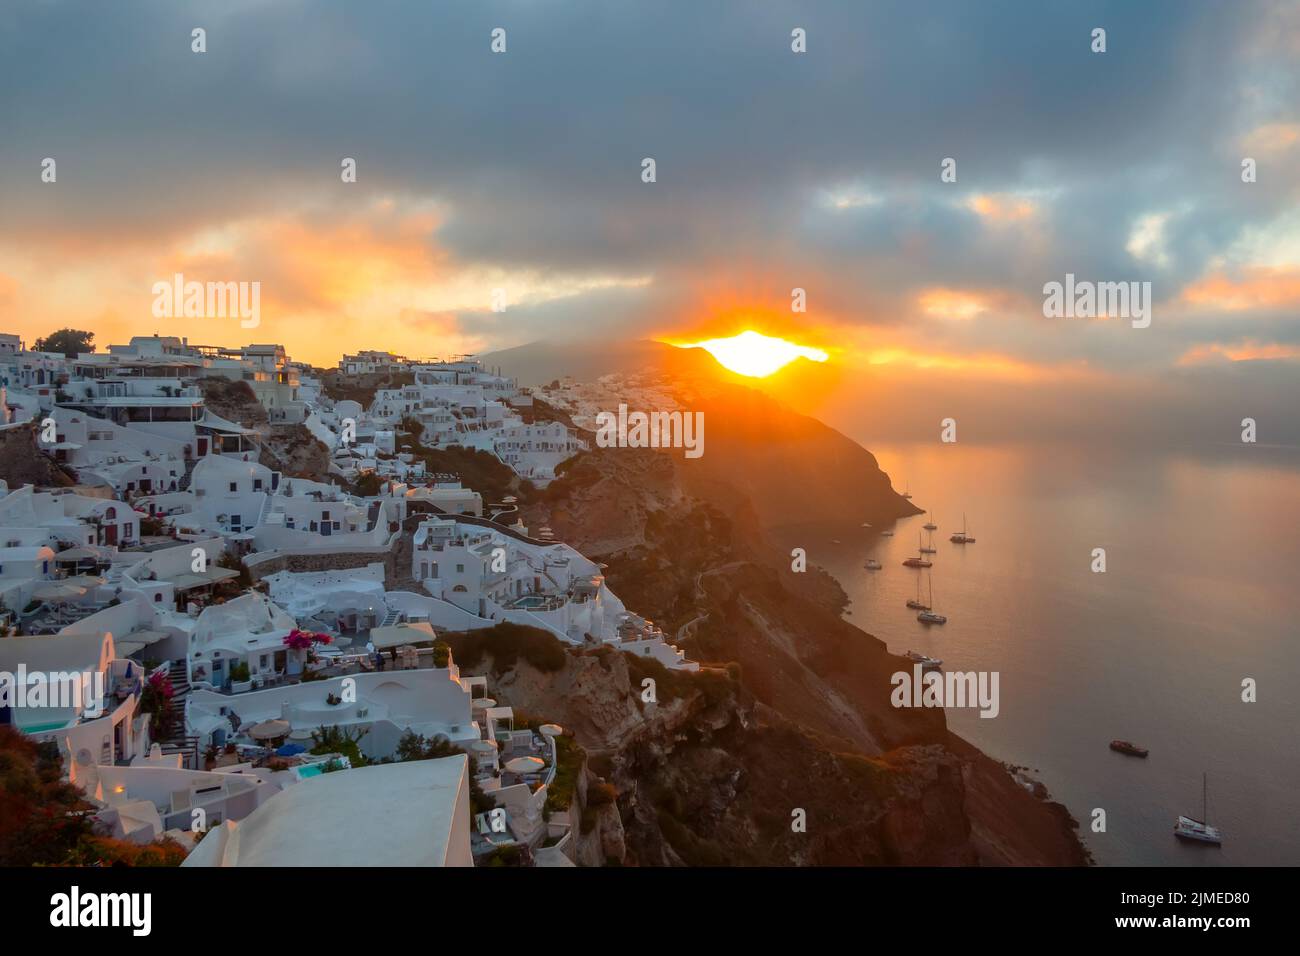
{"x": 919, "y": 561}
{"x": 1124, "y": 747}
{"x": 886, "y": 534}
{"x": 930, "y": 525}
{"x": 929, "y": 616}
{"x": 929, "y": 545}
{"x": 872, "y": 564}
{"x": 927, "y": 663}
{"x": 961, "y": 537}
{"x": 916, "y": 604}
{"x": 1198, "y": 830}
{"x": 907, "y": 493}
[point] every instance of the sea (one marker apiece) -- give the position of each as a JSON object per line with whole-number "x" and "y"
{"x": 1199, "y": 600}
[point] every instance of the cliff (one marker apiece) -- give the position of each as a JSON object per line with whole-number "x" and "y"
{"x": 793, "y": 709}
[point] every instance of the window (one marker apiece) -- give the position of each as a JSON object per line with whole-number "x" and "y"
{"x": 257, "y": 484}
{"x": 157, "y": 598}
{"x": 460, "y": 569}
{"x": 234, "y": 486}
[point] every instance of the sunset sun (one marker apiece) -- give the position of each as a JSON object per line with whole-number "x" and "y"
{"x": 756, "y": 355}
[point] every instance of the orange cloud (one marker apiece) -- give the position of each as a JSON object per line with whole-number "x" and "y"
{"x": 1247, "y": 351}
{"x": 1271, "y": 138}
{"x": 1001, "y": 207}
{"x": 1257, "y": 287}
{"x": 947, "y": 303}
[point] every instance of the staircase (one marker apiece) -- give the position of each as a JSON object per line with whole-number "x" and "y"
{"x": 180, "y": 741}
{"x": 390, "y": 618}
{"x": 184, "y": 483}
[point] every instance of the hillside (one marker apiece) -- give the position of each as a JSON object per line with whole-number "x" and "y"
{"x": 818, "y": 731}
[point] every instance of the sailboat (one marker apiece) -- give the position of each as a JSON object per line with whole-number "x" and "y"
{"x": 961, "y": 537}
{"x": 1198, "y": 830}
{"x": 927, "y": 663}
{"x": 929, "y": 545}
{"x": 918, "y": 561}
{"x": 928, "y": 616}
{"x": 916, "y": 604}
{"x": 907, "y": 493}
{"x": 930, "y": 525}
{"x": 872, "y": 564}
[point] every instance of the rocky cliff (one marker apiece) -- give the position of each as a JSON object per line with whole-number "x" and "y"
{"x": 786, "y": 749}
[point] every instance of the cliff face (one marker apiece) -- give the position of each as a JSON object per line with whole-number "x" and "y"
{"x": 805, "y": 722}
{"x": 22, "y": 462}
{"x": 707, "y": 775}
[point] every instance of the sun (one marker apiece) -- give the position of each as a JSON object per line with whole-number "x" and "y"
{"x": 756, "y": 355}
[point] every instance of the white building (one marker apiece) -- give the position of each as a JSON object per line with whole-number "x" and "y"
{"x": 404, "y": 814}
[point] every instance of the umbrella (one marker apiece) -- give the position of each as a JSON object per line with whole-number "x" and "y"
{"x": 482, "y": 703}
{"x": 77, "y": 554}
{"x": 484, "y": 746}
{"x": 56, "y": 591}
{"x": 290, "y": 750}
{"x": 270, "y": 729}
{"x": 86, "y": 581}
{"x": 525, "y": 764}
{"x": 551, "y": 730}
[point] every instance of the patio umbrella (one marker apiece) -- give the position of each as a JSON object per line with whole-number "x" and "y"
{"x": 85, "y": 581}
{"x": 484, "y": 746}
{"x": 57, "y": 591}
{"x": 270, "y": 729}
{"x": 525, "y": 764}
{"x": 482, "y": 703}
{"x": 77, "y": 554}
{"x": 551, "y": 730}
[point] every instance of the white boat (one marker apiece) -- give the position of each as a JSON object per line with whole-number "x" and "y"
{"x": 930, "y": 616}
{"x": 961, "y": 537}
{"x": 1198, "y": 830}
{"x": 872, "y": 564}
{"x": 930, "y": 525}
{"x": 916, "y": 604}
{"x": 886, "y": 534}
{"x": 929, "y": 545}
{"x": 907, "y": 493}
{"x": 918, "y": 561}
{"x": 927, "y": 663}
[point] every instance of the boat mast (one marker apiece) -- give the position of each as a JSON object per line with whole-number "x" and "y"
{"x": 1205, "y": 816}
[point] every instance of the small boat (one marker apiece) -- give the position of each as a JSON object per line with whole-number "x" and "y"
{"x": 927, "y": 663}
{"x": 866, "y": 524}
{"x": 918, "y": 561}
{"x": 907, "y": 493}
{"x": 886, "y": 534}
{"x": 930, "y": 616}
{"x": 1124, "y": 747}
{"x": 916, "y": 604}
{"x": 961, "y": 537}
{"x": 929, "y": 546}
{"x": 930, "y": 525}
{"x": 1198, "y": 830}
{"x": 835, "y": 540}
{"x": 872, "y": 564}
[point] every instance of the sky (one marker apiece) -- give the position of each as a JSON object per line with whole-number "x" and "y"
{"x": 521, "y": 171}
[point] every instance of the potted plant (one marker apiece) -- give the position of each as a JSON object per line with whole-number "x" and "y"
{"x": 240, "y": 680}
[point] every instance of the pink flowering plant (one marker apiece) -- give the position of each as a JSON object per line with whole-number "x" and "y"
{"x": 304, "y": 640}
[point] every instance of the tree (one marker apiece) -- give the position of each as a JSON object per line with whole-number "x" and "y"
{"x": 71, "y": 342}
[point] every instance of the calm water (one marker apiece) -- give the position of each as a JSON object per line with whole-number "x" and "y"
{"x": 1201, "y": 591}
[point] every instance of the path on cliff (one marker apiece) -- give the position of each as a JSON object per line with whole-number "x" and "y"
{"x": 684, "y": 631}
